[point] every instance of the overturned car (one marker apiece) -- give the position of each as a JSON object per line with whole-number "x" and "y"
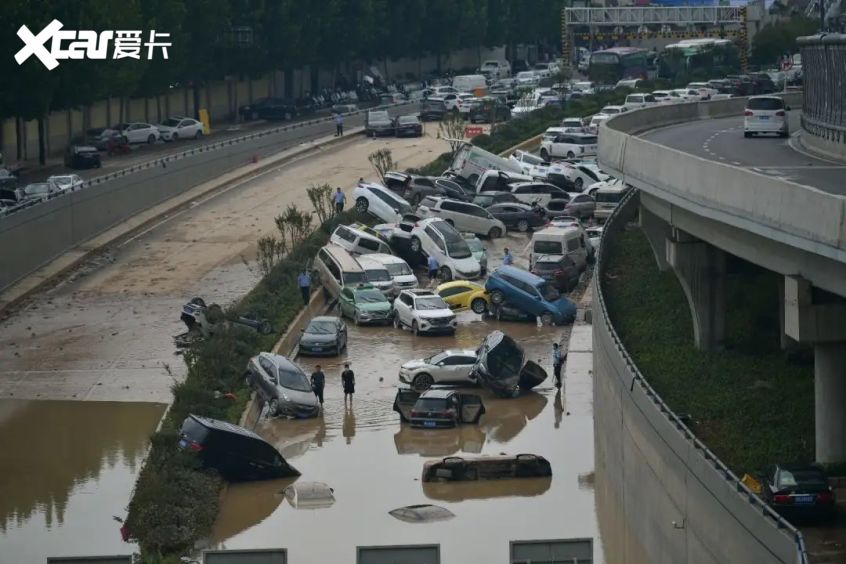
{"x": 501, "y": 366}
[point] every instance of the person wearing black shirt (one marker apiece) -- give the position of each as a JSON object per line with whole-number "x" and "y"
{"x": 348, "y": 380}
{"x": 318, "y": 381}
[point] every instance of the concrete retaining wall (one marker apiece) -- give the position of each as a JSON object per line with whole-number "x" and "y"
{"x": 789, "y": 213}
{"x": 34, "y": 236}
{"x": 678, "y": 501}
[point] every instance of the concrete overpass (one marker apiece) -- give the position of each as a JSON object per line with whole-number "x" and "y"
{"x": 706, "y": 191}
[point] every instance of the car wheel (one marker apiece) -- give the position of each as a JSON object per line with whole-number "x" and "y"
{"x": 579, "y": 184}
{"x": 415, "y": 330}
{"x": 523, "y": 225}
{"x": 544, "y": 154}
{"x": 497, "y": 297}
{"x": 397, "y": 323}
{"x": 495, "y": 233}
{"x": 273, "y": 407}
{"x": 362, "y": 205}
{"x": 152, "y": 139}
{"x": 479, "y": 306}
{"x": 747, "y": 134}
{"x": 547, "y": 318}
{"x": 422, "y": 382}
{"x": 198, "y": 135}
{"x": 445, "y": 274}
{"x": 174, "y": 137}
{"x": 571, "y": 155}
{"x": 415, "y": 245}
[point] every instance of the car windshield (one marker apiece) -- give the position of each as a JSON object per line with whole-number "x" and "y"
{"x": 549, "y": 293}
{"x": 430, "y": 404}
{"x": 587, "y": 140}
{"x": 369, "y": 297}
{"x": 377, "y": 275}
{"x": 294, "y": 380}
{"x": 399, "y": 269}
{"x": 170, "y": 122}
{"x": 407, "y": 120}
{"x": 532, "y": 159}
{"x": 62, "y": 180}
{"x": 608, "y": 197}
{"x": 40, "y": 188}
{"x": 809, "y": 477}
{"x": 765, "y": 104}
{"x": 436, "y": 358}
{"x": 352, "y": 278}
{"x": 429, "y": 303}
{"x": 458, "y": 249}
{"x": 475, "y": 245}
{"x": 483, "y": 201}
{"x": 547, "y": 247}
{"x": 321, "y": 327}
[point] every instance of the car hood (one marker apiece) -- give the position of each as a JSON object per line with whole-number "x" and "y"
{"x": 469, "y": 264}
{"x": 319, "y": 338}
{"x": 298, "y": 397}
{"x": 435, "y": 313}
{"x": 415, "y": 364}
{"x": 565, "y": 306}
{"x": 384, "y": 306}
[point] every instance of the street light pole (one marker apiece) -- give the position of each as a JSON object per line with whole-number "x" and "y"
{"x": 822, "y": 15}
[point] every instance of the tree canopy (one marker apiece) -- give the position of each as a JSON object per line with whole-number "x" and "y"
{"x": 774, "y": 41}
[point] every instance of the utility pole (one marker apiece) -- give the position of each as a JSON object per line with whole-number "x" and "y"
{"x": 822, "y": 15}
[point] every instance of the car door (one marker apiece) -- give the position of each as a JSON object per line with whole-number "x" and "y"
{"x": 405, "y": 309}
{"x": 454, "y": 297}
{"x": 451, "y": 211}
{"x": 404, "y": 402}
{"x": 541, "y": 194}
{"x": 474, "y": 217}
{"x": 471, "y": 407}
{"x": 584, "y": 205}
{"x": 266, "y": 383}
{"x": 346, "y": 302}
{"x": 454, "y": 369}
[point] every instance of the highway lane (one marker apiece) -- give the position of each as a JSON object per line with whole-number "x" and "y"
{"x": 722, "y": 140}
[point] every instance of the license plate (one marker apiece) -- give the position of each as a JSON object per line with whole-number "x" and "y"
{"x": 803, "y": 499}
{"x": 317, "y": 349}
{"x": 428, "y": 423}
{"x": 183, "y": 443}
{"x": 763, "y": 117}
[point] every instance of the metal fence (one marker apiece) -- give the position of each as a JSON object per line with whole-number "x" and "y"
{"x": 824, "y": 71}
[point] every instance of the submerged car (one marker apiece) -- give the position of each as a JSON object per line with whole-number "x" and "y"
{"x": 461, "y": 295}
{"x": 365, "y": 304}
{"x": 438, "y": 409}
{"x": 501, "y": 366}
{"x": 282, "y": 385}
{"x": 236, "y": 453}
{"x": 800, "y": 491}
{"x": 452, "y": 366}
{"x": 324, "y": 335}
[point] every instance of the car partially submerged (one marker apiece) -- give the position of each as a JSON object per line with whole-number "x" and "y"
{"x": 501, "y": 366}
{"x": 236, "y": 453}
{"x": 438, "y": 408}
{"x": 282, "y": 385}
{"x": 458, "y": 469}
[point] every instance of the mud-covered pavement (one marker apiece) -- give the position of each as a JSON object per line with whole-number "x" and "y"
{"x": 106, "y": 332}
{"x": 374, "y": 462}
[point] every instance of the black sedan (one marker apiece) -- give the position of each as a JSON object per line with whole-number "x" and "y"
{"x": 82, "y": 156}
{"x": 799, "y": 491}
{"x": 488, "y": 199}
{"x": 324, "y": 335}
{"x": 270, "y": 109}
{"x": 518, "y": 216}
{"x": 408, "y": 126}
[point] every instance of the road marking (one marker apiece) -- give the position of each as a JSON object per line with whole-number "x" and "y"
{"x": 802, "y": 167}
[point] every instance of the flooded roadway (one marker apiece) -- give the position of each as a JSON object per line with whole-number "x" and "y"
{"x": 374, "y": 462}
{"x": 65, "y": 470}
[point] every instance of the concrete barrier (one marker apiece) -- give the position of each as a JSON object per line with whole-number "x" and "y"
{"x": 790, "y": 213}
{"x": 680, "y": 503}
{"x": 36, "y": 235}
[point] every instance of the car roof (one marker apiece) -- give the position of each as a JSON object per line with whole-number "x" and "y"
{"x": 281, "y": 361}
{"x": 459, "y": 283}
{"x": 325, "y": 318}
{"x": 519, "y": 274}
{"x": 342, "y": 255}
{"x": 365, "y": 261}
{"x": 384, "y": 258}
{"x": 765, "y": 97}
{"x": 436, "y": 393}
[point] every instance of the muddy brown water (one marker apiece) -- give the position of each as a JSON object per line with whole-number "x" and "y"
{"x": 64, "y": 470}
{"x": 374, "y": 462}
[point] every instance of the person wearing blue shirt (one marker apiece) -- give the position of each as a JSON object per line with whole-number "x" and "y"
{"x": 433, "y": 268}
{"x": 339, "y": 124}
{"x": 304, "y": 282}
{"x": 507, "y": 259}
{"x": 340, "y": 199}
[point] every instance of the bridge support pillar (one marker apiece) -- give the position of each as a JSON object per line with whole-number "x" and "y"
{"x": 701, "y": 270}
{"x": 657, "y": 232}
{"x": 819, "y": 318}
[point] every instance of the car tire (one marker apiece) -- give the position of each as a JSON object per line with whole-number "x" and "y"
{"x": 544, "y": 154}
{"x": 497, "y": 297}
{"x": 415, "y": 330}
{"x": 571, "y": 155}
{"x": 273, "y": 407}
{"x": 495, "y": 233}
{"x": 422, "y": 382}
{"x": 174, "y": 137}
{"x": 416, "y": 246}
{"x": 523, "y": 225}
{"x": 579, "y": 184}
{"x": 198, "y": 135}
{"x": 547, "y": 318}
{"x": 747, "y": 134}
{"x": 445, "y": 274}
{"x": 362, "y": 205}
{"x": 152, "y": 138}
{"x": 478, "y": 305}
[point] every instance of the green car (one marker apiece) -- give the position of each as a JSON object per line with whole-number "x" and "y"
{"x": 479, "y": 252}
{"x": 365, "y": 304}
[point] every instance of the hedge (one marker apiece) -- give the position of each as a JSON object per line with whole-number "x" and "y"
{"x": 175, "y": 501}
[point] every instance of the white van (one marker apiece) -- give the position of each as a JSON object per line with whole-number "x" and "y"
{"x": 607, "y": 198}
{"x": 496, "y": 180}
{"x": 336, "y": 269}
{"x": 470, "y": 82}
{"x": 471, "y": 162}
{"x": 559, "y": 241}
{"x": 377, "y": 275}
{"x": 401, "y": 273}
{"x": 358, "y": 242}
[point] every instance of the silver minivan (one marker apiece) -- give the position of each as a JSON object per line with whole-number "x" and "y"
{"x": 336, "y": 269}
{"x": 377, "y": 275}
{"x": 358, "y": 242}
{"x": 462, "y": 216}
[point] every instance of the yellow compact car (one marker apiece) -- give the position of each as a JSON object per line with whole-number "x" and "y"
{"x": 461, "y": 295}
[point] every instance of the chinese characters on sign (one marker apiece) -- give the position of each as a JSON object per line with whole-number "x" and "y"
{"x": 53, "y": 44}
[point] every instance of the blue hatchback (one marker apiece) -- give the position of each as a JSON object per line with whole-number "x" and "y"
{"x": 530, "y": 293}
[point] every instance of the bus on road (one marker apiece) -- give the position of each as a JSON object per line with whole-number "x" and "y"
{"x": 612, "y": 65}
{"x": 710, "y": 57}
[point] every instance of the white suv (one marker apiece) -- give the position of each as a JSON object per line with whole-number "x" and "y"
{"x": 380, "y": 202}
{"x": 568, "y": 145}
{"x": 435, "y": 237}
{"x": 424, "y": 312}
{"x": 462, "y": 215}
{"x": 765, "y": 114}
{"x": 495, "y": 69}
{"x": 452, "y": 366}
{"x": 636, "y": 101}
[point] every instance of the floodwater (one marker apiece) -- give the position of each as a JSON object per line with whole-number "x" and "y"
{"x": 65, "y": 467}
{"x": 374, "y": 462}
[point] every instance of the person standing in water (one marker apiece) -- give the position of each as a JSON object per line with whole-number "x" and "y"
{"x": 348, "y": 381}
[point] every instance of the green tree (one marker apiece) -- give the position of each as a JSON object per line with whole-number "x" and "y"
{"x": 775, "y": 40}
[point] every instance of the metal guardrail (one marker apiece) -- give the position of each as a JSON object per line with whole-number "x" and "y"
{"x": 730, "y": 477}
{"x": 824, "y": 104}
{"x": 162, "y": 162}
